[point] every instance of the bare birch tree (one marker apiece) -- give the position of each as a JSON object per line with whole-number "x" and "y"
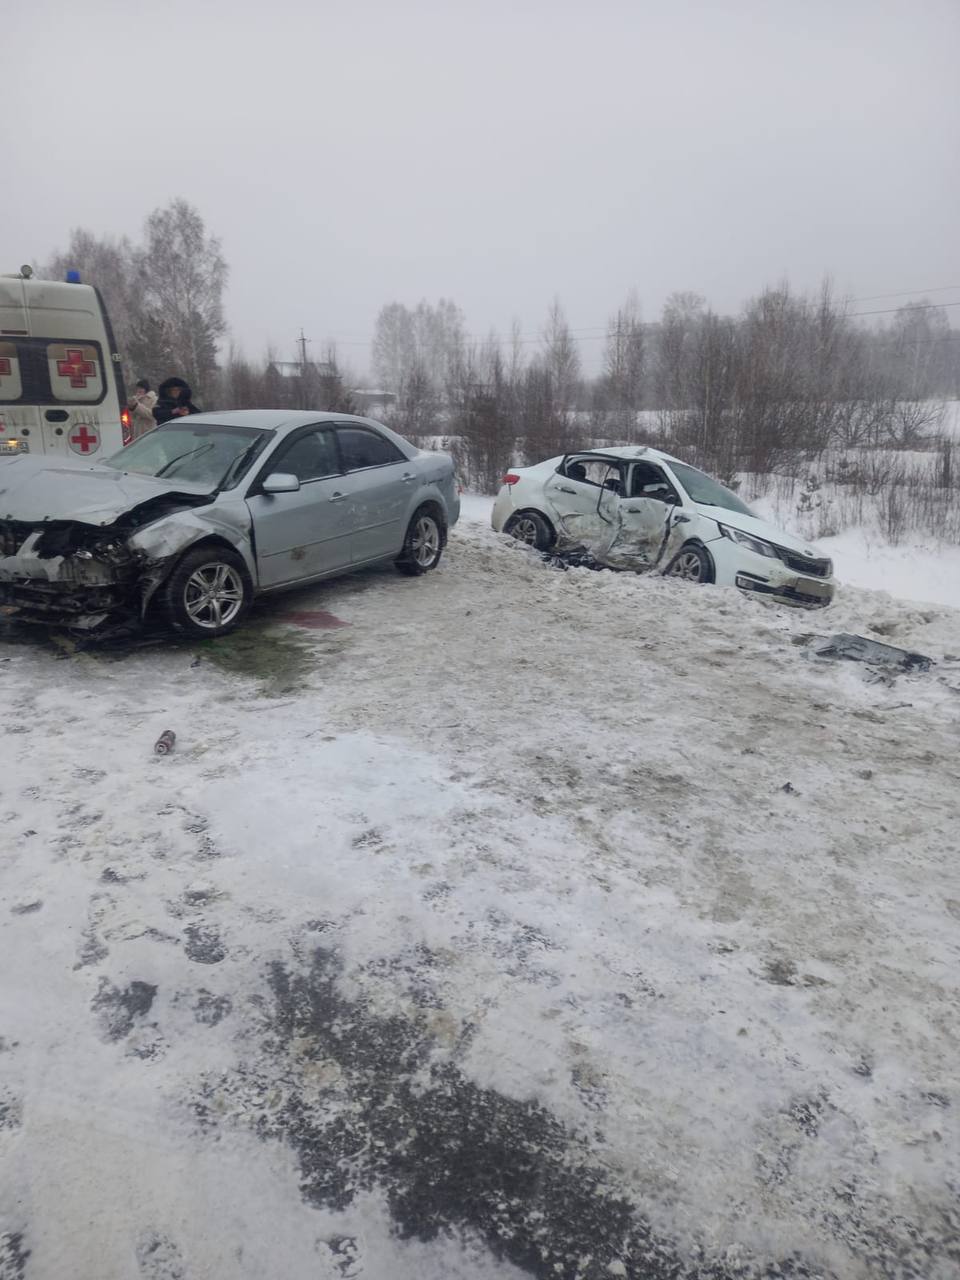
{"x": 183, "y": 276}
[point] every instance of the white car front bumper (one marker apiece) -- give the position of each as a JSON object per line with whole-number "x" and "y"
{"x": 737, "y": 566}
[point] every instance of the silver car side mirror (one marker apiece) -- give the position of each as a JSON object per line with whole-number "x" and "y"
{"x": 280, "y": 482}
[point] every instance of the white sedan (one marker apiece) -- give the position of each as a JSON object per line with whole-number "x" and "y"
{"x": 638, "y": 508}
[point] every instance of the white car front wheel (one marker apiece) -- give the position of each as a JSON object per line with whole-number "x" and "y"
{"x": 691, "y": 563}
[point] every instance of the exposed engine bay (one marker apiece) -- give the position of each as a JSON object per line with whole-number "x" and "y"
{"x": 87, "y": 576}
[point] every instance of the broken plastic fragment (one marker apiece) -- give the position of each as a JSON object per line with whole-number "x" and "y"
{"x": 860, "y": 649}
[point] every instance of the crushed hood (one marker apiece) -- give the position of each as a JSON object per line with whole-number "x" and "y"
{"x": 33, "y": 489}
{"x": 758, "y": 528}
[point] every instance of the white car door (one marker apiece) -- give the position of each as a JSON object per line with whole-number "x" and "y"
{"x": 652, "y": 523}
{"x": 582, "y": 500}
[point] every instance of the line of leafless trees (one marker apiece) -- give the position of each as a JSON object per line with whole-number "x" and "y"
{"x": 786, "y": 380}
{"x": 789, "y": 378}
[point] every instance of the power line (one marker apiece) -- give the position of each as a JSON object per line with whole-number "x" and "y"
{"x": 909, "y": 293}
{"x": 597, "y": 333}
{"x": 886, "y": 311}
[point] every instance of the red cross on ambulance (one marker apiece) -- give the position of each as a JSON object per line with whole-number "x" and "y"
{"x": 74, "y": 372}
{"x": 84, "y": 439}
{"x": 76, "y": 368}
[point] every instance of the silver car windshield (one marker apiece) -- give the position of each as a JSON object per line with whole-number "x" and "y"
{"x": 203, "y": 454}
{"x": 711, "y": 493}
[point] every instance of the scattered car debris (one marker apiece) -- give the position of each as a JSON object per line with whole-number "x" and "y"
{"x": 165, "y": 743}
{"x": 579, "y": 558}
{"x": 860, "y": 649}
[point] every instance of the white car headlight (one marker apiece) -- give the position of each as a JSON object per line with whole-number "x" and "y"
{"x": 752, "y": 544}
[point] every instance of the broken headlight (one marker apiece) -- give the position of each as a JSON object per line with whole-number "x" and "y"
{"x": 752, "y": 544}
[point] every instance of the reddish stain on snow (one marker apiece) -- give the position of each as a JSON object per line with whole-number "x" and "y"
{"x": 316, "y": 619}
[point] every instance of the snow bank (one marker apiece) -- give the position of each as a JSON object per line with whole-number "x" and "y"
{"x": 537, "y": 922}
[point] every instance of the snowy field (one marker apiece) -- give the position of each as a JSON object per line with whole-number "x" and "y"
{"x": 531, "y": 923}
{"x": 921, "y": 569}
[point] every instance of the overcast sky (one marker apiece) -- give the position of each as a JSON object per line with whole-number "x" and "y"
{"x": 497, "y": 152}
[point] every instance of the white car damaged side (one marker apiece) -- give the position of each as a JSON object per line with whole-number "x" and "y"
{"x": 638, "y": 508}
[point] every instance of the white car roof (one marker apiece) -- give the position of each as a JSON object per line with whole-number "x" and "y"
{"x": 632, "y": 453}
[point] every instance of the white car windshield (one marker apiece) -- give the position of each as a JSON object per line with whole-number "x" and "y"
{"x": 204, "y": 454}
{"x": 703, "y": 489}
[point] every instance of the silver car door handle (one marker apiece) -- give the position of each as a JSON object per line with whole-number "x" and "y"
{"x": 681, "y": 519}
{"x": 563, "y": 489}
{"x": 335, "y": 497}
{"x": 407, "y": 477}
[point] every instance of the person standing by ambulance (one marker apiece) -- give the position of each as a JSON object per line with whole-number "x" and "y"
{"x": 141, "y": 408}
{"x": 174, "y": 400}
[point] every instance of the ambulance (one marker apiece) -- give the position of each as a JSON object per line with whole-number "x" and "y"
{"x": 61, "y": 386}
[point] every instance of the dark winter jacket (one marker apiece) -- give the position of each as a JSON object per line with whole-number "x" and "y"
{"x": 163, "y": 410}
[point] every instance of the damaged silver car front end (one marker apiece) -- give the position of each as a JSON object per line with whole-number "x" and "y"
{"x": 98, "y": 576}
{"x": 69, "y": 575}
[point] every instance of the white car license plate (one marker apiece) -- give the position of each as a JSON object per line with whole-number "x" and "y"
{"x": 14, "y": 446}
{"x": 813, "y": 587}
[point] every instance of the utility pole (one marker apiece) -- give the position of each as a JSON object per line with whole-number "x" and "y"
{"x": 302, "y": 344}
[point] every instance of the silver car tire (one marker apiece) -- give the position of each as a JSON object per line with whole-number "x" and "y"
{"x": 423, "y": 544}
{"x": 691, "y": 563}
{"x": 208, "y": 594}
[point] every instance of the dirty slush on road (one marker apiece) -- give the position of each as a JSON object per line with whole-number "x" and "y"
{"x": 428, "y": 950}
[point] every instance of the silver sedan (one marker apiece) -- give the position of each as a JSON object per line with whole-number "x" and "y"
{"x": 209, "y": 511}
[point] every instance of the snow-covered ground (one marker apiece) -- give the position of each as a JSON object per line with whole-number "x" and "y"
{"x": 914, "y": 571}
{"x": 926, "y": 572}
{"x": 918, "y": 568}
{"x": 546, "y": 923}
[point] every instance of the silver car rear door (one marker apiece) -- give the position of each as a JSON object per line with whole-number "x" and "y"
{"x": 304, "y": 534}
{"x": 382, "y": 485}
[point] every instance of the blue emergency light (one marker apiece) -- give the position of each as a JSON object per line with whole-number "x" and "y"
{"x": 73, "y": 277}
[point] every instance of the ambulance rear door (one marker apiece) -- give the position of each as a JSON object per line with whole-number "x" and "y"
{"x": 77, "y": 376}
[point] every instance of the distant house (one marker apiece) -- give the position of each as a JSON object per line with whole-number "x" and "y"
{"x": 368, "y": 401}
{"x": 294, "y": 369}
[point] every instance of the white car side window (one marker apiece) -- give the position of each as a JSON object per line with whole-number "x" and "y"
{"x": 597, "y": 471}
{"x": 650, "y": 481}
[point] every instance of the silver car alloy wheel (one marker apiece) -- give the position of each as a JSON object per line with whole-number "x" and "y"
{"x": 213, "y": 595}
{"x": 688, "y": 566}
{"x": 425, "y": 543}
{"x": 524, "y": 529}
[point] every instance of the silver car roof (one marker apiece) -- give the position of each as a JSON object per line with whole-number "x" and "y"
{"x": 277, "y": 419}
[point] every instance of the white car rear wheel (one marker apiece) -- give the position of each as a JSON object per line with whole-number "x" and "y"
{"x": 530, "y": 528}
